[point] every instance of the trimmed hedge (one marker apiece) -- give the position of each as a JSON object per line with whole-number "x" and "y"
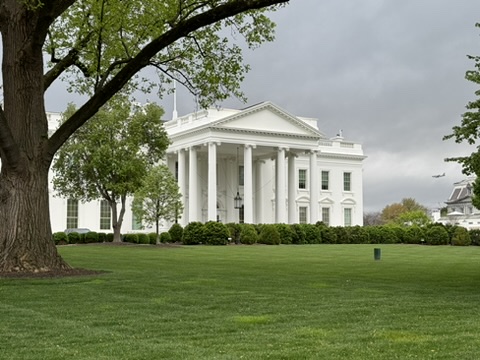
{"x": 269, "y": 235}
{"x": 248, "y": 234}
{"x": 215, "y": 233}
{"x": 60, "y": 238}
{"x": 165, "y": 237}
{"x": 176, "y": 233}
{"x": 193, "y": 234}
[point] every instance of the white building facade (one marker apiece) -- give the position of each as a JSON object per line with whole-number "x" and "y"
{"x": 284, "y": 169}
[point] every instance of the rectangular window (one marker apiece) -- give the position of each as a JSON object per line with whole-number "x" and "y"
{"x": 241, "y": 175}
{"x": 302, "y": 214}
{"x": 136, "y": 225}
{"x": 72, "y": 214}
{"x": 324, "y": 180}
{"x": 347, "y": 217}
{"x": 347, "y": 181}
{"x": 302, "y": 179}
{"x": 105, "y": 215}
{"x": 326, "y": 215}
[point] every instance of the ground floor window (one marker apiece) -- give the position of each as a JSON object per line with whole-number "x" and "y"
{"x": 326, "y": 215}
{"x": 105, "y": 215}
{"x": 72, "y": 214}
{"x": 302, "y": 214}
{"x": 347, "y": 217}
{"x": 136, "y": 224}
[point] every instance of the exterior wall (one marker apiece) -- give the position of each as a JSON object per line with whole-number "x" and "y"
{"x": 265, "y": 128}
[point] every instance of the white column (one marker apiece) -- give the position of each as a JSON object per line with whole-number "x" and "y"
{"x": 292, "y": 208}
{"x": 259, "y": 191}
{"x": 182, "y": 184}
{"x": 248, "y": 184}
{"x": 212, "y": 182}
{"x": 231, "y": 190}
{"x": 192, "y": 186}
{"x": 313, "y": 187}
{"x": 280, "y": 197}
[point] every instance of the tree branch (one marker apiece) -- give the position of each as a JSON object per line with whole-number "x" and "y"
{"x": 142, "y": 59}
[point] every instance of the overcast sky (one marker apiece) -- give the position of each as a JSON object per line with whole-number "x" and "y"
{"x": 390, "y": 74}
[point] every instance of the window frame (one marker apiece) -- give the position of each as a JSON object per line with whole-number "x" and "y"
{"x": 104, "y": 205}
{"x": 303, "y": 214}
{"x": 347, "y": 181}
{"x": 326, "y": 211}
{"x": 325, "y": 180}
{"x": 302, "y": 180}
{"x": 72, "y": 216}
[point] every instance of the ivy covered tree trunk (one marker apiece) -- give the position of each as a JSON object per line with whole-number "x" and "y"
{"x": 25, "y": 234}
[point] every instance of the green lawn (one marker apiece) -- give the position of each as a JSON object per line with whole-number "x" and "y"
{"x": 249, "y": 302}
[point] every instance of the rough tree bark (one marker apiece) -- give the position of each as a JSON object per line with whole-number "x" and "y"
{"x": 25, "y": 234}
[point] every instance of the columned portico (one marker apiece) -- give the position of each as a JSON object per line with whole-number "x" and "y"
{"x": 192, "y": 186}
{"x": 313, "y": 187}
{"x": 280, "y": 198}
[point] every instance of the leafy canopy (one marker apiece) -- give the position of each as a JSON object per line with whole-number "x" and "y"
{"x": 110, "y": 155}
{"x": 97, "y": 39}
{"x": 469, "y": 129}
{"x": 158, "y": 198}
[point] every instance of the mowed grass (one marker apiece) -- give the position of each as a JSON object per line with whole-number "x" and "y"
{"x": 249, "y": 302}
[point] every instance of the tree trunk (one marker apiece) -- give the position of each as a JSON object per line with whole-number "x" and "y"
{"x": 26, "y": 243}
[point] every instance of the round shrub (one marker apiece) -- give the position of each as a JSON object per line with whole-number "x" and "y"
{"x": 143, "y": 238}
{"x": 286, "y": 233}
{"x": 60, "y": 238}
{"x": 475, "y": 236}
{"x": 357, "y": 235}
{"x": 437, "y": 235}
{"x": 312, "y": 233}
{"x": 193, "y": 234}
{"x": 109, "y": 237}
{"x": 234, "y": 231}
{"x": 131, "y": 238}
{"x": 269, "y": 235}
{"x": 102, "y": 237}
{"x": 248, "y": 234}
{"x": 74, "y": 238}
{"x": 328, "y": 235}
{"x": 216, "y": 233}
{"x": 165, "y": 237}
{"x": 461, "y": 237}
{"x": 91, "y": 237}
{"x": 176, "y": 233}
{"x": 387, "y": 235}
{"x": 153, "y": 238}
{"x": 298, "y": 234}
{"x": 414, "y": 235}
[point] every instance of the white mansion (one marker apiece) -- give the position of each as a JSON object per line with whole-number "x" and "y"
{"x": 260, "y": 164}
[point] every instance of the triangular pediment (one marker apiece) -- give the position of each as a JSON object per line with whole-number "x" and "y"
{"x": 268, "y": 118}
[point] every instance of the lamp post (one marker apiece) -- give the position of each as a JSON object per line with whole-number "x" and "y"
{"x": 237, "y": 201}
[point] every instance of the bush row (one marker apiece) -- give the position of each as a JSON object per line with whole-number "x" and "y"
{"x": 215, "y": 233}
{"x": 61, "y": 238}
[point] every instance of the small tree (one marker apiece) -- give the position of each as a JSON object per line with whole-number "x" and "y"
{"x": 158, "y": 198}
{"x": 109, "y": 157}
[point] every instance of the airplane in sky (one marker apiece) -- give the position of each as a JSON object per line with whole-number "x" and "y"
{"x": 438, "y": 176}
